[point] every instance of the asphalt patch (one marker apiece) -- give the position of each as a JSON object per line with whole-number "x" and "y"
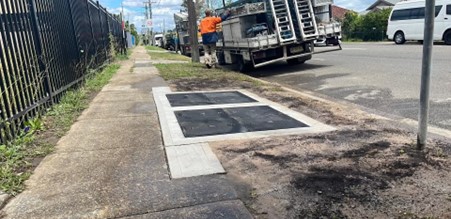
{"x": 210, "y": 98}
{"x": 208, "y": 122}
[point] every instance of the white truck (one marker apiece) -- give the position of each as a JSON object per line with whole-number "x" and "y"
{"x": 261, "y": 32}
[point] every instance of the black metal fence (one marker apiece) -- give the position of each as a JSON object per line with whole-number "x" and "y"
{"x": 46, "y": 47}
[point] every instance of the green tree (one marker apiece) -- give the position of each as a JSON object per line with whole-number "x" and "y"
{"x": 369, "y": 27}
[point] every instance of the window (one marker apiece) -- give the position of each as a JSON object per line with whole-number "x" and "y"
{"x": 401, "y": 15}
{"x": 414, "y": 13}
{"x": 437, "y": 10}
{"x": 448, "y": 9}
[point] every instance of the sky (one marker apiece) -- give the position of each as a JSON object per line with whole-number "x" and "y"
{"x": 163, "y": 10}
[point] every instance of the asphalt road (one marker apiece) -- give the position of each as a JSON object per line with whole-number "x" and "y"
{"x": 382, "y": 77}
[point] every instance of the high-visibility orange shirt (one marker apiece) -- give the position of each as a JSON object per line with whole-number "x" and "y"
{"x": 208, "y": 24}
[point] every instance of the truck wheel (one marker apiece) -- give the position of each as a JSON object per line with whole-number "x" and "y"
{"x": 243, "y": 66}
{"x": 447, "y": 37}
{"x": 221, "y": 58}
{"x": 399, "y": 38}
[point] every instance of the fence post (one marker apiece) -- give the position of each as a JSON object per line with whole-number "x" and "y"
{"x": 101, "y": 29}
{"x": 39, "y": 50}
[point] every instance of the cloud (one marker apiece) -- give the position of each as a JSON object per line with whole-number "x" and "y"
{"x": 356, "y": 5}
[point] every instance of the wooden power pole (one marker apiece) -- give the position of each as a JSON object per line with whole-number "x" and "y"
{"x": 192, "y": 23}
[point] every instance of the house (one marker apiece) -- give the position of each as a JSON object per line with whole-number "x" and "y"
{"x": 382, "y": 4}
{"x": 338, "y": 13}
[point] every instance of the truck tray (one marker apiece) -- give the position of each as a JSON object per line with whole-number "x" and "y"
{"x": 257, "y": 42}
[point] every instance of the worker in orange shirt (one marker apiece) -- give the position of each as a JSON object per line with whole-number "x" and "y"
{"x": 210, "y": 36}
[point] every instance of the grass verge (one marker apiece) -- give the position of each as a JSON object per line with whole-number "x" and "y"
{"x": 154, "y": 48}
{"x": 121, "y": 57}
{"x": 197, "y": 71}
{"x": 18, "y": 158}
{"x": 157, "y": 53}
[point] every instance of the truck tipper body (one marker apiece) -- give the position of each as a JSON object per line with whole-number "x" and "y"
{"x": 261, "y": 32}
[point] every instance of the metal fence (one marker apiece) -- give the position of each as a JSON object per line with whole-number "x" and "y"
{"x": 46, "y": 47}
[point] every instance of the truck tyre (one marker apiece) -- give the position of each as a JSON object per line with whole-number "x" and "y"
{"x": 243, "y": 66}
{"x": 399, "y": 38}
{"x": 447, "y": 37}
{"x": 298, "y": 61}
{"x": 221, "y": 58}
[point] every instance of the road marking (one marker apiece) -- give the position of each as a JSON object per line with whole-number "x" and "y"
{"x": 447, "y": 100}
{"x": 322, "y": 87}
{"x": 372, "y": 95}
{"x": 318, "y": 59}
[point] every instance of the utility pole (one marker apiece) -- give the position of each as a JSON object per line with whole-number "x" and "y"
{"x": 428, "y": 44}
{"x": 192, "y": 23}
{"x": 148, "y": 7}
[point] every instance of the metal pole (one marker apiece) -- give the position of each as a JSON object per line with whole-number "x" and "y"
{"x": 426, "y": 73}
{"x": 192, "y": 23}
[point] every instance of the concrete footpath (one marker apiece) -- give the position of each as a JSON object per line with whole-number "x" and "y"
{"x": 112, "y": 163}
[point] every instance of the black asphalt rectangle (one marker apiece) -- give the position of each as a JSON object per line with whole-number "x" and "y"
{"x": 208, "y": 122}
{"x": 208, "y": 98}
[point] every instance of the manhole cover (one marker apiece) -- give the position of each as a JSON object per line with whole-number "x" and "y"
{"x": 197, "y": 99}
{"x": 207, "y": 122}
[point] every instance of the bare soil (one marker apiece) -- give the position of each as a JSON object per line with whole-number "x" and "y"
{"x": 368, "y": 168}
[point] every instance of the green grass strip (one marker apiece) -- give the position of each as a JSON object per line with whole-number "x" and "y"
{"x": 16, "y": 157}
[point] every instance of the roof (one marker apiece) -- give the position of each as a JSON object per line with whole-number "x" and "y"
{"x": 379, "y": 2}
{"x": 339, "y": 12}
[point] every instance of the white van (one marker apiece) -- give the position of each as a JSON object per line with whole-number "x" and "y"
{"x": 406, "y": 21}
{"x": 158, "y": 40}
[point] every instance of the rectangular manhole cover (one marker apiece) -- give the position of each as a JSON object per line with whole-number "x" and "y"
{"x": 207, "y": 122}
{"x": 210, "y": 98}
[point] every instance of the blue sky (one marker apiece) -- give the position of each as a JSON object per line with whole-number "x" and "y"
{"x": 163, "y": 10}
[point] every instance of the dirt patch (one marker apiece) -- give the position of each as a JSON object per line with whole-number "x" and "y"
{"x": 368, "y": 168}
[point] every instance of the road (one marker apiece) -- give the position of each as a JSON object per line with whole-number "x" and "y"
{"x": 382, "y": 77}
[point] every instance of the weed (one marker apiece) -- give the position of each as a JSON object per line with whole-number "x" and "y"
{"x": 122, "y": 57}
{"x": 154, "y": 48}
{"x": 16, "y": 156}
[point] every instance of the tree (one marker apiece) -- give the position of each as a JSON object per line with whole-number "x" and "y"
{"x": 369, "y": 27}
{"x": 199, "y": 7}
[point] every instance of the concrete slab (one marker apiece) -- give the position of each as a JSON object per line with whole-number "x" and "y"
{"x": 118, "y": 199}
{"x": 173, "y": 134}
{"x": 234, "y": 209}
{"x": 122, "y": 132}
{"x": 192, "y": 160}
{"x": 119, "y": 96}
{"x": 98, "y": 110}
